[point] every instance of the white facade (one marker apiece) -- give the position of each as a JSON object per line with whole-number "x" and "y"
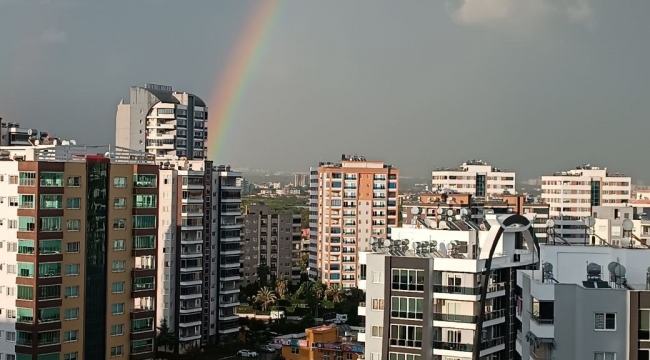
{"x": 163, "y": 122}
{"x": 313, "y": 222}
{"x": 8, "y": 249}
{"x": 572, "y": 194}
{"x": 476, "y": 178}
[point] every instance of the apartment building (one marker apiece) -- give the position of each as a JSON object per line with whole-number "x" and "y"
{"x": 313, "y": 223}
{"x": 475, "y": 177}
{"x": 300, "y": 180}
{"x": 163, "y": 122}
{"x": 423, "y": 293}
{"x": 356, "y": 200}
{"x": 273, "y": 240}
{"x": 327, "y": 342}
{"x": 78, "y": 252}
{"x": 200, "y": 221}
{"x": 587, "y": 302}
{"x": 428, "y": 209}
{"x": 572, "y": 194}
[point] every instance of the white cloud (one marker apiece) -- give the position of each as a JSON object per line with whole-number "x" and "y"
{"x": 522, "y": 12}
{"x": 53, "y": 37}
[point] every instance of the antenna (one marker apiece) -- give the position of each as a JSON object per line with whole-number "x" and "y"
{"x": 547, "y": 274}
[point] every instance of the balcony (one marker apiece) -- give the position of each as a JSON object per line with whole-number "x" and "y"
{"x": 191, "y": 240}
{"x": 189, "y": 337}
{"x": 230, "y": 303}
{"x": 227, "y": 290}
{"x": 190, "y": 309}
{"x": 462, "y": 290}
{"x": 469, "y": 319}
{"x": 443, "y": 345}
{"x": 361, "y": 311}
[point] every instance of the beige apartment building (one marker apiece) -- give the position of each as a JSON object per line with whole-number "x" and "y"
{"x": 356, "y": 201}
{"x": 273, "y": 240}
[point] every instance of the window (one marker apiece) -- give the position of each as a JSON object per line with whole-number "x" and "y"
{"x": 49, "y": 247}
{"x": 25, "y": 315}
{"x": 141, "y": 325}
{"x": 119, "y": 182}
{"x": 116, "y": 351}
{"x": 51, "y": 179}
{"x": 49, "y": 315}
{"x": 119, "y": 203}
{"x": 51, "y": 269}
{"x": 605, "y": 321}
{"x": 26, "y": 178}
{"x": 72, "y": 291}
{"x": 141, "y": 346}
{"x": 26, "y": 202}
{"x": 11, "y": 314}
{"x": 406, "y": 335}
{"x": 48, "y": 337}
{"x": 377, "y": 277}
{"x": 119, "y": 224}
{"x": 117, "y": 309}
{"x": 12, "y": 246}
{"x": 11, "y": 336}
{"x": 604, "y": 356}
{"x": 72, "y": 269}
{"x": 377, "y": 331}
{"x": 378, "y": 304}
{"x": 71, "y": 336}
{"x": 25, "y": 270}
{"x": 74, "y": 181}
{"x": 144, "y": 242}
{"x": 71, "y": 356}
{"x": 26, "y": 223}
{"x": 73, "y": 225}
{"x": 117, "y": 287}
{"x": 117, "y": 330}
{"x": 403, "y": 356}
{"x": 26, "y": 247}
{"x": 51, "y": 202}
{"x": 144, "y": 201}
{"x": 164, "y": 111}
{"x": 145, "y": 180}
{"x": 406, "y": 307}
{"x": 144, "y": 221}
{"x": 11, "y": 269}
{"x": 13, "y": 224}
{"x": 72, "y": 314}
{"x": 73, "y": 203}
{"x": 119, "y": 266}
{"x": 73, "y": 247}
{"x": 25, "y": 292}
{"x": 48, "y": 292}
{"x": 295, "y": 350}
{"x": 50, "y": 224}
{"x": 408, "y": 280}
{"x": 119, "y": 245}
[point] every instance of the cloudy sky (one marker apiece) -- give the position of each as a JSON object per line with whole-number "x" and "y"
{"x": 531, "y": 85}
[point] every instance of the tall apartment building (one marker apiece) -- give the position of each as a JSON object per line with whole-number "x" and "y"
{"x": 163, "y": 122}
{"x": 475, "y": 177}
{"x": 300, "y": 180}
{"x": 423, "y": 295}
{"x": 200, "y": 223}
{"x": 572, "y": 194}
{"x": 357, "y": 200}
{"x": 313, "y": 223}
{"x": 587, "y": 302}
{"x": 272, "y": 240}
{"x": 78, "y": 256}
{"x": 428, "y": 209}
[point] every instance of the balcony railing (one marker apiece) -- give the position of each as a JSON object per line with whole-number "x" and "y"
{"x": 447, "y": 289}
{"x": 541, "y": 321}
{"x": 444, "y": 345}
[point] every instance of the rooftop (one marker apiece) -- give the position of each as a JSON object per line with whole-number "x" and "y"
{"x": 74, "y": 153}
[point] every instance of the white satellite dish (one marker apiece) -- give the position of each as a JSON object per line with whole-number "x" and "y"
{"x": 628, "y": 225}
{"x": 73, "y": 142}
{"x": 450, "y": 212}
{"x": 387, "y": 243}
{"x": 65, "y": 142}
{"x": 415, "y": 210}
{"x": 464, "y": 211}
{"x": 590, "y": 221}
{"x": 37, "y": 142}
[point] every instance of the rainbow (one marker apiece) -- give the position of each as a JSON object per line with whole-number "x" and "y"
{"x": 233, "y": 80}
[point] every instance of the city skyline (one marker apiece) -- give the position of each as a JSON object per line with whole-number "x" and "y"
{"x": 530, "y": 76}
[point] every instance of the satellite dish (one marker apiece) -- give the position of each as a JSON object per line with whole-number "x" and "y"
{"x": 464, "y": 211}
{"x": 30, "y": 131}
{"x": 548, "y": 267}
{"x": 37, "y": 142}
{"x": 590, "y": 221}
{"x": 625, "y": 242}
{"x": 439, "y": 217}
{"x": 415, "y": 210}
{"x": 65, "y": 142}
{"x": 450, "y": 212}
{"x": 550, "y": 223}
{"x": 628, "y": 225}
{"x": 387, "y": 242}
{"x": 405, "y": 242}
{"x": 373, "y": 241}
{"x": 434, "y": 243}
{"x": 73, "y": 142}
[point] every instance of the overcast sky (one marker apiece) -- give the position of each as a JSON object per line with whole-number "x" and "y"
{"x": 531, "y": 85}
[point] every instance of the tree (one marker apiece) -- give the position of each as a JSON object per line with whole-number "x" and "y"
{"x": 281, "y": 286}
{"x": 263, "y": 273}
{"x": 336, "y": 293}
{"x": 265, "y": 297}
{"x": 318, "y": 289}
{"x": 165, "y": 337}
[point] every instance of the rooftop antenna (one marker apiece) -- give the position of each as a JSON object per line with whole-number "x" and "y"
{"x": 547, "y": 274}
{"x": 590, "y": 222}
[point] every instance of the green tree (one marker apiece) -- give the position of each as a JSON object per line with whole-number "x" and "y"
{"x": 318, "y": 289}
{"x": 165, "y": 338}
{"x": 265, "y": 297}
{"x": 336, "y": 293}
{"x": 263, "y": 273}
{"x": 281, "y": 286}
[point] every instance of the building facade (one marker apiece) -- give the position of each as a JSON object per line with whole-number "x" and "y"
{"x": 587, "y": 302}
{"x": 200, "y": 223}
{"x": 475, "y": 177}
{"x": 572, "y": 194}
{"x": 356, "y": 200}
{"x": 163, "y": 122}
{"x": 81, "y": 275}
{"x": 271, "y": 240}
{"x": 423, "y": 295}
{"x": 301, "y": 180}
{"x": 321, "y": 343}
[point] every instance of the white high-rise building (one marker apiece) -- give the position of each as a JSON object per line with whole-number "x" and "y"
{"x": 572, "y": 194}
{"x": 199, "y": 230}
{"x": 475, "y": 177}
{"x": 163, "y": 122}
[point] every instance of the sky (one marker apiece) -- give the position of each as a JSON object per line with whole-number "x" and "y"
{"x": 535, "y": 86}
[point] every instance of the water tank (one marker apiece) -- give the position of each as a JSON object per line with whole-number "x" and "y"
{"x": 593, "y": 269}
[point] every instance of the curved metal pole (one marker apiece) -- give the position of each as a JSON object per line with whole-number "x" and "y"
{"x": 512, "y": 220}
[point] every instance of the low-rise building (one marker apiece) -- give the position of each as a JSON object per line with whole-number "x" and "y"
{"x": 327, "y": 342}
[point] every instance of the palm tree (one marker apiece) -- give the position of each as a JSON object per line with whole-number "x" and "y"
{"x": 265, "y": 297}
{"x": 318, "y": 289}
{"x": 281, "y": 286}
{"x": 336, "y": 293}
